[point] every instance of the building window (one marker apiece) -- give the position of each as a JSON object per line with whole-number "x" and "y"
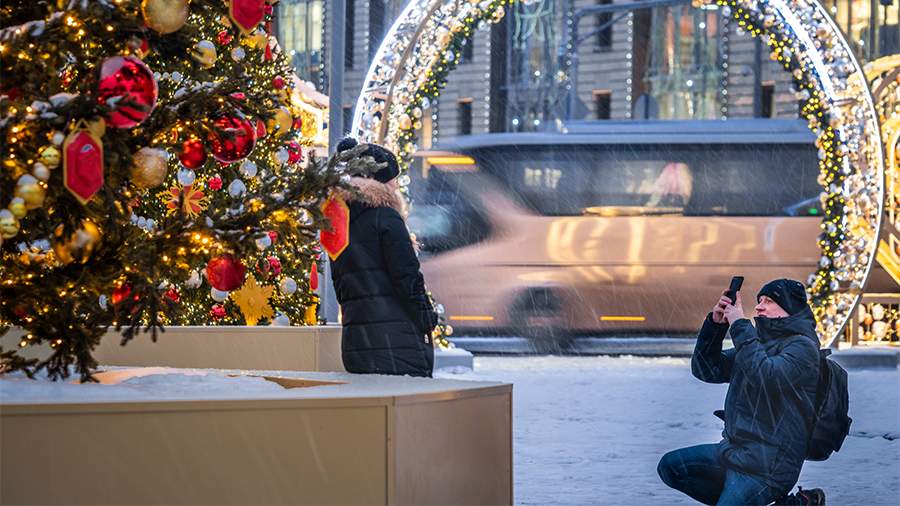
{"x": 465, "y": 116}
{"x": 468, "y": 49}
{"x": 604, "y": 37}
{"x": 872, "y": 28}
{"x": 349, "y": 22}
{"x": 377, "y": 16}
{"x": 299, "y": 31}
{"x": 347, "y": 119}
{"x": 603, "y": 104}
{"x": 684, "y": 72}
{"x": 768, "y": 99}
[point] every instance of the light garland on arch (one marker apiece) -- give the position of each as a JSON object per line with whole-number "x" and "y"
{"x": 423, "y": 46}
{"x": 411, "y": 67}
{"x": 803, "y": 38}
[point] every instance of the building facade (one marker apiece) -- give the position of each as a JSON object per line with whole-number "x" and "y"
{"x": 667, "y": 63}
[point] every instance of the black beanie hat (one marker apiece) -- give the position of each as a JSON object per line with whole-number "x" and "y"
{"x": 787, "y": 293}
{"x": 380, "y": 154}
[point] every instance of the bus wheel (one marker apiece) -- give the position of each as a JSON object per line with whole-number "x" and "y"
{"x": 537, "y": 316}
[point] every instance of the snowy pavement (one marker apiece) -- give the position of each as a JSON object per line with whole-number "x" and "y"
{"x": 590, "y": 430}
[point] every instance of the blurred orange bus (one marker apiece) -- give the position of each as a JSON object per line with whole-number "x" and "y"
{"x": 613, "y": 227}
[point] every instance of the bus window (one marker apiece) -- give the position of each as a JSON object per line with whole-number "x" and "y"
{"x": 445, "y": 215}
{"x": 699, "y": 180}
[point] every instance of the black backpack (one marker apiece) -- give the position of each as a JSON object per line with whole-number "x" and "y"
{"x": 830, "y": 424}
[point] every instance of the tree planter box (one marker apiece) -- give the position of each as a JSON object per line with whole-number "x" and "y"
{"x": 315, "y": 348}
{"x": 355, "y": 439}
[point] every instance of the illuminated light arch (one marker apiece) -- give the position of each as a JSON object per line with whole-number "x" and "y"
{"x": 423, "y": 45}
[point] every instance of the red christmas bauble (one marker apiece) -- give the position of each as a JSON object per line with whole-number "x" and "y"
{"x": 232, "y": 138}
{"x": 126, "y": 86}
{"x": 121, "y": 293}
{"x": 295, "y": 152}
{"x": 275, "y": 265}
{"x": 173, "y": 295}
{"x": 298, "y": 123}
{"x": 193, "y": 154}
{"x": 225, "y": 273}
{"x": 215, "y": 183}
{"x": 260, "y": 129}
{"x": 217, "y": 312}
{"x": 273, "y": 235}
{"x": 224, "y": 37}
{"x": 278, "y": 82}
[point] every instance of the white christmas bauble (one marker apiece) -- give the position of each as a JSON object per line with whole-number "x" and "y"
{"x": 282, "y": 156}
{"x": 27, "y": 179}
{"x": 288, "y": 286}
{"x": 218, "y": 295}
{"x": 281, "y": 321}
{"x": 57, "y": 138}
{"x": 102, "y": 302}
{"x": 193, "y": 281}
{"x": 41, "y": 171}
{"x": 237, "y": 188}
{"x": 248, "y": 168}
{"x": 186, "y": 177}
{"x": 263, "y": 242}
{"x": 238, "y": 54}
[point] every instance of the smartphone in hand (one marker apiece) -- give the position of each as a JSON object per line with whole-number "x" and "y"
{"x": 736, "y": 283}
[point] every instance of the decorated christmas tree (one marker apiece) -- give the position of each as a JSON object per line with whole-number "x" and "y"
{"x": 155, "y": 171}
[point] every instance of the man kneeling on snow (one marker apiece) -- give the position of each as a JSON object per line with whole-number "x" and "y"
{"x": 773, "y": 372}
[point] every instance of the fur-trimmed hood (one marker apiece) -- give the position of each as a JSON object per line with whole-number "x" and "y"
{"x": 372, "y": 193}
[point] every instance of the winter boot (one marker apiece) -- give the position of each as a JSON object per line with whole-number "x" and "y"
{"x": 811, "y": 497}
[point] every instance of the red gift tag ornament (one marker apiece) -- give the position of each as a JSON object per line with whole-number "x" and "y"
{"x": 83, "y": 163}
{"x": 314, "y": 276}
{"x": 225, "y": 273}
{"x": 336, "y": 240}
{"x": 127, "y": 80}
{"x": 246, "y": 14}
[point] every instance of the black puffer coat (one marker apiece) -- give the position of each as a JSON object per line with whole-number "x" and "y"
{"x": 773, "y": 370}
{"x": 386, "y": 315}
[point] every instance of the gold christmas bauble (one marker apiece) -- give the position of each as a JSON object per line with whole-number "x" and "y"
{"x": 50, "y": 156}
{"x": 149, "y": 169}
{"x": 165, "y": 16}
{"x": 205, "y": 54}
{"x": 9, "y": 225}
{"x": 281, "y": 121}
{"x": 256, "y": 40}
{"x": 79, "y": 246}
{"x": 17, "y": 207}
{"x": 32, "y": 194}
{"x": 405, "y": 122}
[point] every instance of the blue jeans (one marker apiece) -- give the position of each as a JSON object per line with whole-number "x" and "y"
{"x": 698, "y": 472}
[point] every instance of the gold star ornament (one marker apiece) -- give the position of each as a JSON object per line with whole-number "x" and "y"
{"x": 253, "y": 301}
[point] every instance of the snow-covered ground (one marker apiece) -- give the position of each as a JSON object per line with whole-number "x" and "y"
{"x": 590, "y": 430}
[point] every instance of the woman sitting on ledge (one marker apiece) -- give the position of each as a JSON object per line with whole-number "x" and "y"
{"x": 386, "y": 314}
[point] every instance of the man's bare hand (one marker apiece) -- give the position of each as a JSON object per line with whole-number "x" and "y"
{"x": 718, "y": 312}
{"x": 735, "y": 312}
